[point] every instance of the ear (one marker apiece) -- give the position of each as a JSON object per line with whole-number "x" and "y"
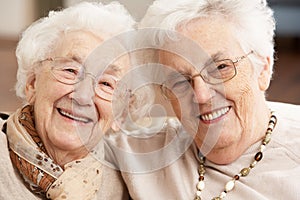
{"x": 30, "y": 89}
{"x": 264, "y": 77}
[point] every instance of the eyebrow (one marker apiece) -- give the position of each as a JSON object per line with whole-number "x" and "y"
{"x": 113, "y": 69}
{"x": 77, "y": 59}
{"x": 214, "y": 57}
{"x": 176, "y": 74}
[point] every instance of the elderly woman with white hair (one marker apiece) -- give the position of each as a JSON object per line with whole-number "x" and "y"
{"x": 43, "y": 143}
{"x": 218, "y": 60}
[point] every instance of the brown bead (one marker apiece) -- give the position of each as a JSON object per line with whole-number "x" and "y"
{"x": 39, "y": 157}
{"x": 201, "y": 178}
{"x": 236, "y": 177}
{"x": 258, "y": 156}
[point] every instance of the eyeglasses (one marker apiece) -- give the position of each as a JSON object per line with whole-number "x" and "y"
{"x": 215, "y": 73}
{"x": 70, "y": 72}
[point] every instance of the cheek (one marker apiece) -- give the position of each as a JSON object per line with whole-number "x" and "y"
{"x": 242, "y": 93}
{"x": 104, "y": 109}
{"x": 49, "y": 90}
{"x": 241, "y": 88}
{"x": 176, "y": 106}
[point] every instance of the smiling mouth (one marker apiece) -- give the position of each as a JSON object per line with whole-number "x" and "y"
{"x": 214, "y": 114}
{"x": 72, "y": 117}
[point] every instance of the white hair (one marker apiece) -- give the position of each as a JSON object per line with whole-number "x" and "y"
{"x": 39, "y": 39}
{"x": 252, "y": 21}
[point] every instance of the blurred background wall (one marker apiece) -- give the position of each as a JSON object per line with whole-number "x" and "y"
{"x": 16, "y": 15}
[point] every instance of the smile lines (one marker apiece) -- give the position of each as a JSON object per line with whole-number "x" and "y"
{"x": 214, "y": 115}
{"x": 70, "y": 116}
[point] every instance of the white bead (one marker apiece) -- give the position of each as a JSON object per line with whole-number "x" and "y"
{"x": 201, "y": 185}
{"x": 271, "y": 126}
{"x": 262, "y": 148}
{"x": 223, "y": 195}
{"x": 198, "y": 193}
{"x": 254, "y": 163}
{"x": 229, "y": 185}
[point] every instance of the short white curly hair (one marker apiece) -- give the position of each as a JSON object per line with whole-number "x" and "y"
{"x": 38, "y": 39}
{"x": 253, "y": 23}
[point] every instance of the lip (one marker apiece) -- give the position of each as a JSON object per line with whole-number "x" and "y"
{"x": 74, "y": 116}
{"x": 214, "y": 115}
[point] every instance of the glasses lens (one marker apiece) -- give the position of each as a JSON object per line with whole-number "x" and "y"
{"x": 105, "y": 86}
{"x": 177, "y": 87}
{"x": 219, "y": 71}
{"x": 67, "y": 71}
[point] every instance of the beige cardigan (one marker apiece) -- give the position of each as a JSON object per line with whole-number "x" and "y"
{"x": 277, "y": 176}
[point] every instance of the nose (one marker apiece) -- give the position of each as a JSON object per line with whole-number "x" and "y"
{"x": 202, "y": 91}
{"x": 83, "y": 92}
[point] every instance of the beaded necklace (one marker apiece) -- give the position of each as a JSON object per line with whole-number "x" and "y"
{"x": 244, "y": 172}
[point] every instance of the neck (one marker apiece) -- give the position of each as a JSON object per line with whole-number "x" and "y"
{"x": 62, "y": 157}
{"x": 228, "y": 154}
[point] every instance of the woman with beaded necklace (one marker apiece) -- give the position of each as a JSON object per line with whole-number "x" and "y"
{"x": 218, "y": 57}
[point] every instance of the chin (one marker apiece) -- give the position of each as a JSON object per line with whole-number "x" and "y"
{"x": 67, "y": 142}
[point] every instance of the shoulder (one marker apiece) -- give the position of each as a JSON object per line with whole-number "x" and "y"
{"x": 291, "y": 111}
{"x": 12, "y": 185}
{"x": 286, "y": 134}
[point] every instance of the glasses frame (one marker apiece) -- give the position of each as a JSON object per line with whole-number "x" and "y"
{"x": 205, "y": 79}
{"x": 85, "y": 74}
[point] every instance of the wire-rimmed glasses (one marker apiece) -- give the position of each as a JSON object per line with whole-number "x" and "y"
{"x": 69, "y": 72}
{"x": 214, "y": 73}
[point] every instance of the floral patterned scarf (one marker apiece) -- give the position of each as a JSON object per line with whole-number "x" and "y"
{"x": 34, "y": 174}
{"x": 80, "y": 179}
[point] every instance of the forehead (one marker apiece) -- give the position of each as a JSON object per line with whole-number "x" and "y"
{"x": 76, "y": 44}
{"x": 214, "y": 37}
{"x": 114, "y": 66}
{"x": 83, "y": 46}
{"x": 213, "y": 34}
{"x": 120, "y": 65}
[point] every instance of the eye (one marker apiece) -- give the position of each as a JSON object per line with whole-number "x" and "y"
{"x": 71, "y": 70}
{"x": 221, "y": 69}
{"x": 181, "y": 82}
{"x": 107, "y": 83}
{"x": 66, "y": 72}
{"x": 222, "y": 66}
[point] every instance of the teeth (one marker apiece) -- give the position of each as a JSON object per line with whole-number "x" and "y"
{"x": 215, "y": 114}
{"x": 81, "y": 119}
